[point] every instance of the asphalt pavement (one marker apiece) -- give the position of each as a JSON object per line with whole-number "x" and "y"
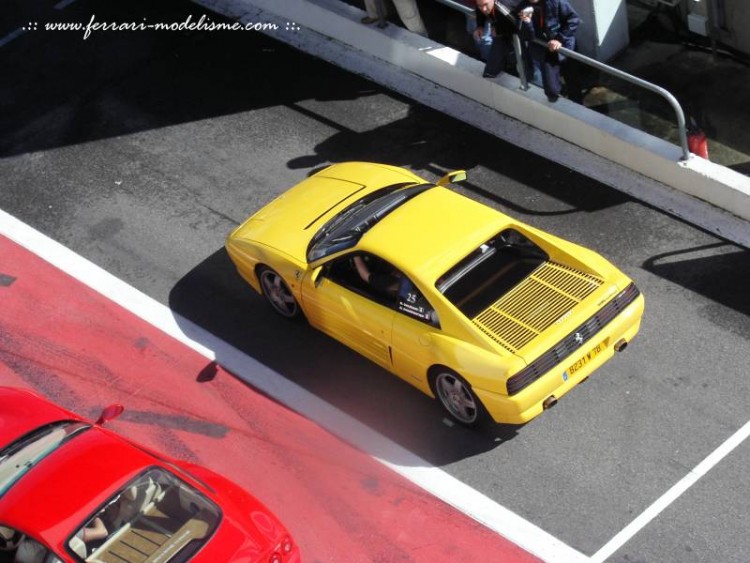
{"x": 140, "y": 152}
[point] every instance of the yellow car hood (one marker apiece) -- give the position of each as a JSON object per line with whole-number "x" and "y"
{"x": 292, "y": 219}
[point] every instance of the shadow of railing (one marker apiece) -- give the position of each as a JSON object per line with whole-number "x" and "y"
{"x": 722, "y": 277}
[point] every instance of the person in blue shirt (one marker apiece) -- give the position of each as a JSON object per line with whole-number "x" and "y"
{"x": 555, "y": 23}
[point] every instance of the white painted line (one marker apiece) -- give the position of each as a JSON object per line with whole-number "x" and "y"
{"x": 63, "y": 4}
{"x": 11, "y": 36}
{"x": 445, "y": 487}
{"x": 672, "y": 494}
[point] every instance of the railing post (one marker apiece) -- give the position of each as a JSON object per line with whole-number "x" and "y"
{"x": 381, "y": 11}
{"x": 520, "y": 66}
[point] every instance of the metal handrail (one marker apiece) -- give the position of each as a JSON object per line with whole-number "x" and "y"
{"x": 520, "y": 68}
{"x": 681, "y": 125}
{"x": 457, "y": 6}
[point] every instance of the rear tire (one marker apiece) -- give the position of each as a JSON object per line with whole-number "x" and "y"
{"x": 457, "y": 397}
{"x": 277, "y": 293}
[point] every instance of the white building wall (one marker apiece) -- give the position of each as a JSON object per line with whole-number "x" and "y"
{"x": 604, "y": 32}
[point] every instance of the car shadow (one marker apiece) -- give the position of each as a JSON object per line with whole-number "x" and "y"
{"x": 152, "y": 80}
{"x": 424, "y": 136}
{"x": 720, "y": 272}
{"x": 114, "y": 84}
{"x": 214, "y": 297}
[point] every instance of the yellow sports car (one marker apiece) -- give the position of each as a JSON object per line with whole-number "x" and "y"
{"x": 493, "y": 317}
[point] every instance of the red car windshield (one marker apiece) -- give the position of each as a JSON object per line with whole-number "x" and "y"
{"x": 21, "y": 456}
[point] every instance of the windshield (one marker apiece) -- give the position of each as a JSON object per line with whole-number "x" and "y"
{"x": 21, "y": 456}
{"x": 490, "y": 271}
{"x": 346, "y": 228}
{"x": 155, "y": 517}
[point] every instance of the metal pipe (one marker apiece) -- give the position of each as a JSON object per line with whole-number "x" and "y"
{"x": 382, "y": 12}
{"x": 681, "y": 126}
{"x": 457, "y": 6}
{"x": 682, "y": 129}
{"x": 520, "y": 67}
{"x": 549, "y": 402}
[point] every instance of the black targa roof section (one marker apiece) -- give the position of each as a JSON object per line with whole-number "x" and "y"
{"x": 490, "y": 271}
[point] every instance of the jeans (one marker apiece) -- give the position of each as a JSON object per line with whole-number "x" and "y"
{"x": 484, "y": 43}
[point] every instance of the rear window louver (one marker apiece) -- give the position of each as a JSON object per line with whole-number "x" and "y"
{"x": 570, "y": 344}
{"x": 535, "y": 304}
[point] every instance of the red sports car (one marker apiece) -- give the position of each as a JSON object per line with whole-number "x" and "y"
{"x": 73, "y": 491}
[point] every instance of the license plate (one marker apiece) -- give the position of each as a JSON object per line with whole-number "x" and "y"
{"x": 586, "y": 358}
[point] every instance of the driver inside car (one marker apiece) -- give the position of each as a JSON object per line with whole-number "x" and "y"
{"x": 384, "y": 283}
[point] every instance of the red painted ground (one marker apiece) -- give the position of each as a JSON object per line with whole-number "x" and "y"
{"x": 74, "y": 346}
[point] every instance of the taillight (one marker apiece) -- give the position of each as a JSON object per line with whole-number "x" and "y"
{"x": 285, "y": 548}
{"x": 286, "y": 545}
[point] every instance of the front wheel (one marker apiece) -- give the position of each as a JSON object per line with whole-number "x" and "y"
{"x": 457, "y": 398}
{"x": 278, "y": 294}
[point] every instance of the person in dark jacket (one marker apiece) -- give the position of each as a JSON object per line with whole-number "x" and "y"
{"x": 502, "y": 23}
{"x": 482, "y": 39}
{"x": 555, "y": 23}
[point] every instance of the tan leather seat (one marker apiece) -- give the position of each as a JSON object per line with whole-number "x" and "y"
{"x": 134, "y": 500}
{"x": 78, "y": 546}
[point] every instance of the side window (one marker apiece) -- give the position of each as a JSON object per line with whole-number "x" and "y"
{"x": 16, "y": 546}
{"x": 412, "y": 303}
{"x": 379, "y": 281}
{"x": 367, "y": 275}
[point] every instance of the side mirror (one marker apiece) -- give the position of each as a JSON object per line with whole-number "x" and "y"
{"x": 110, "y": 413}
{"x": 315, "y": 276}
{"x": 452, "y": 177}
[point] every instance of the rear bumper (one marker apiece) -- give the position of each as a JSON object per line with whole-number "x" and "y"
{"x": 528, "y": 403}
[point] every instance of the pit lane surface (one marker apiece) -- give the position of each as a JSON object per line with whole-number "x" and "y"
{"x": 140, "y": 151}
{"x": 70, "y": 342}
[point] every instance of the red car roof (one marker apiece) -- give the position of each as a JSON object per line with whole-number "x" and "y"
{"x": 21, "y": 411}
{"x": 65, "y": 488}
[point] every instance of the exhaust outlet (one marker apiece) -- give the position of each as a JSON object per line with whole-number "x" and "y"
{"x": 549, "y": 402}
{"x": 620, "y": 345}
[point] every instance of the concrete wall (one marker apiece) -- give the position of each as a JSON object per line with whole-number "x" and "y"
{"x": 604, "y": 30}
{"x": 711, "y": 196}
